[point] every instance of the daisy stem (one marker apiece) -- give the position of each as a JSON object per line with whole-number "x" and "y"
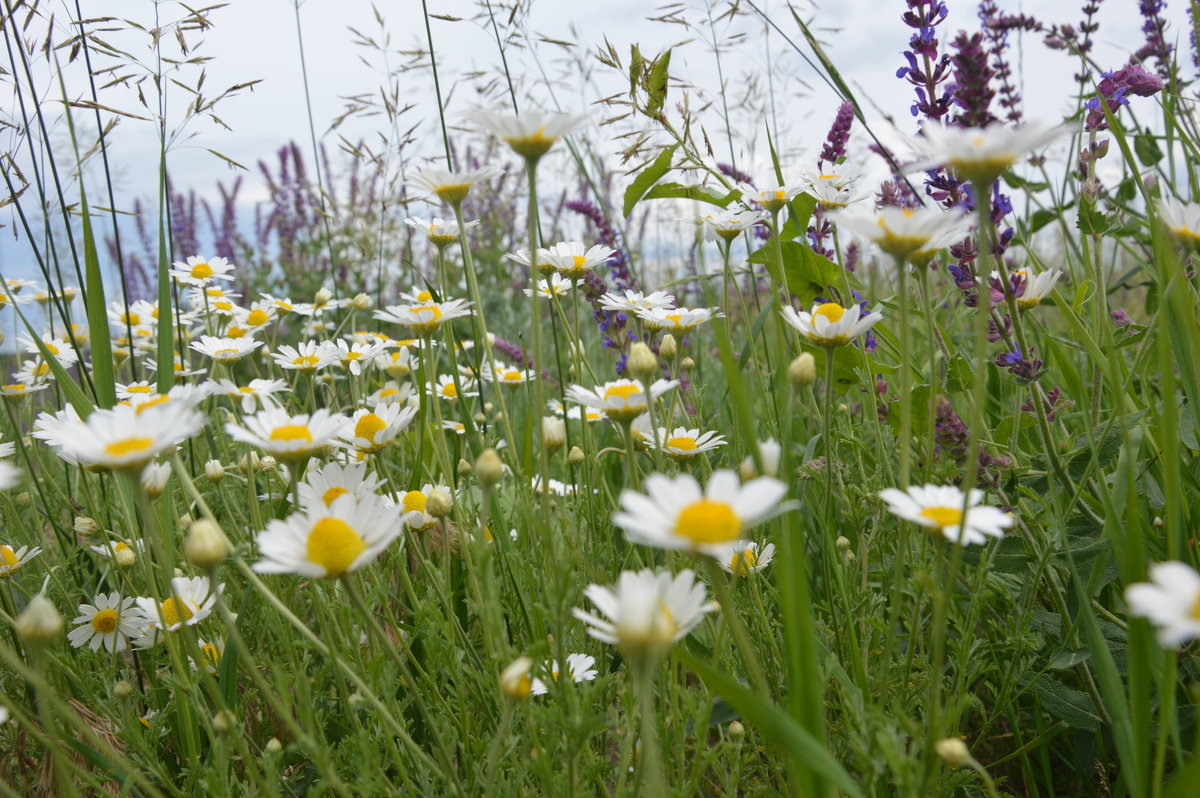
{"x": 536, "y": 320}
{"x": 729, "y": 614}
{"x": 934, "y": 343}
{"x": 650, "y": 764}
{"x": 905, "y": 374}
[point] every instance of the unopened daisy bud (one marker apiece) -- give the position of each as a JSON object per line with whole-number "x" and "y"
{"x": 1158, "y": 522}
{"x": 85, "y": 527}
{"x": 206, "y": 545}
{"x": 488, "y": 407}
{"x": 267, "y": 463}
{"x": 154, "y": 479}
{"x": 803, "y": 371}
{"x": 554, "y": 432}
{"x": 249, "y": 462}
{"x": 842, "y": 542}
{"x": 40, "y": 622}
{"x": 667, "y": 347}
{"x": 361, "y": 302}
{"x": 953, "y": 751}
{"x": 122, "y": 689}
{"x": 575, "y": 456}
{"x": 464, "y": 468}
{"x": 274, "y": 746}
{"x": 125, "y": 557}
{"x": 479, "y": 418}
{"x": 687, "y": 364}
{"x": 498, "y": 418}
{"x": 323, "y": 296}
{"x": 514, "y": 680}
{"x": 737, "y": 732}
{"x": 214, "y": 471}
{"x": 848, "y": 557}
{"x": 642, "y": 363}
{"x": 438, "y": 503}
{"x": 224, "y": 722}
{"x": 23, "y": 499}
{"x": 489, "y": 468}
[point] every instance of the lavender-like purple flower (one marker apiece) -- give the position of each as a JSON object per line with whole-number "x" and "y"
{"x": 611, "y": 324}
{"x": 973, "y": 92}
{"x": 1024, "y": 366}
{"x": 997, "y": 37}
{"x": 839, "y": 134}
{"x": 1114, "y": 90}
{"x": 1154, "y": 26}
{"x": 927, "y": 69}
{"x": 951, "y": 436}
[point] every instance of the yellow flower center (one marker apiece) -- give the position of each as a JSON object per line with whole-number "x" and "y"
{"x": 175, "y": 610}
{"x": 224, "y": 304}
{"x": 129, "y": 446}
{"x": 367, "y": 426}
{"x": 158, "y": 400}
{"x": 387, "y": 392}
{"x": 333, "y": 494}
{"x": 8, "y": 556}
{"x": 943, "y": 516}
{"x": 708, "y": 521}
{"x": 512, "y": 376}
{"x": 780, "y": 195}
{"x": 306, "y": 361}
{"x": 682, "y": 442}
{"x": 105, "y": 621}
{"x": 212, "y": 656}
{"x": 16, "y": 386}
{"x": 202, "y": 271}
{"x": 830, "y": 310}
{"x": 622, "y": 391}
{"x": 450, "y": 391}
{"x": 580, "y": 260}
{"x": 334, "y": 545}
{"x": 425, "y": 296}
{"x": 414, "y": 501}
{"x": 292, "y": 432}
{"x": 146, "y": 389}
{"x": 353, "y": 355}
{"x": 220, "y": 352}
{"x": 452, "y": 193}
{"x": 434, "y": 309}
{"x": 120, "y": 546}
{"x": 257, "y": 317}
{"x": 743, "y": 561}
{"x": 246, "y": 389}
{"x": 51, "y": 348}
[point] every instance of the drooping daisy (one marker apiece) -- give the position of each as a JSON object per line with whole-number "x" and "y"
{"x": 110, "y": 622}
{"x": 979, "y": 154}
{"x": 1170, "y": 600}
{"x": 126, "y": 438}
{"x": 210, "y": 654}
{"x": 533, "y": 133}
{"x": 940, "y": 508}
{"x": 829, "y": 324}
{"x": 1182, "y": 219}
{"x": 1030, "y": 287}
{"x": 620, "y": 400}
{"x": 684, "y": 444}
{"x": 900, "y": 232}
{"x": 201, "y": 271}
{"x": 553, "y": 286}
{"x": 450, "y": 187}
{"x": 580, "y": 668}
{"x": 729, "y": 223}
{"x": 122, "y": 552}
{"x": 426, "y": 318}
{"x": 284, "y": 305}
{"x": 676, "y": 514}
{"x": 328, "y": 542}
{"x": 645, "y": 612}
{"x": 308, "y": 357}
{"x": 13, "y": 560}
{"x": 353, "y": 355}
{"x": 677, "y": 320}
{"x": 256, "y": 393}
{"x": 745, "y": 559}
{"x": 154, "y": 479}
{"x": 225, "y": 350}
{"x": 191, "y": 601}
{"x": 372, "y": 431}
{"x": 331, "y": 481}
{"x": 440, "y": 232}
{"x": 285, "y": 436}
{"x": 572, "y": 261}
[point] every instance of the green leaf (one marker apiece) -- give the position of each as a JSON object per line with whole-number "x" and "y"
{"x": 166, "y": 316}
{"x": 1073, "y": 707}
{"x": 97, "y": 315}
{"x": 1147, "y": 149}
{"x": 959, "y": 376}
{"x": 713, "y": 196}
{"x": 775, "y": 724}
{"x": 656, "y": 83}
{"x": 648, "y": 177}
{"x": 75, "y": 395}
{"x": 1093, "y": 221}
{"x": 808, "y": 274}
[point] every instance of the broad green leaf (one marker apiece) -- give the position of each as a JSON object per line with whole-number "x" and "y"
{"x": 808, "y": 274}
{"x": 648, "y": 177}
{"x": 709, "y": 194}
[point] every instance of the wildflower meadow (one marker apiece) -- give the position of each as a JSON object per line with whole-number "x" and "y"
{"x": 582, "y": 428}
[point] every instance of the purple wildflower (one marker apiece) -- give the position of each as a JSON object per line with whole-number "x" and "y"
{"x": 835, "y": 142}
{"x": 1156, "y": 46}
{"x": 926, "y": 69}
{"x": 1114, "y": 90}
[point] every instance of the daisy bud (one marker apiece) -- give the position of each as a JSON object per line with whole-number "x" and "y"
{"x": 206, "y": 545}
{"x": 85, "y": 527}
{"x": 737, "y": 732}
{"x": 24, "y": 499}
{"x": 842, "y": 542}
{"x": 40, "y": 622}
{"x": 249, "y": 462}
{"x": 154, "y": 479}
{"x": 687, "y": 364}
{"x": 274, "y": 746}
{"x": 514, "y": 680}
{"x": 479, "y": 419}
{"x": 642, "y": 362}
{"x": 953, "y": 751}
{"x": 224, "y": 722}
{"x": 464, "y": 468}
{"x": 125, "y": 557}
{"x": 1158, "y": 522}
{"x": 267, "y": 463}
{"x": 488, "y": 407}
{"x": 498, "y": 418}
{"x": 361, "y": 302}
{"x": 214, "y": 471}
{"x": 323, "y": 296}
{"x": 803, "y": 371}
{"x": 575, "y": 456}
{"x": 438, "y": 503}
{"x": 489, "y": 468}
{"x": 122, "y": 689}
{"x": 667, "y": 348}
{"x": 554, "y": 432}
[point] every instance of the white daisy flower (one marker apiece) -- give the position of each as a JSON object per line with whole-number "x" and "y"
{"x": 440, "y": 232}
{"x": 940, "y": 508}
{"x": 900, "y": 232}
{"x": 284, "y": 305}
{"x": 427, "y": 317}
{"x": 677, "y": 320}
{"x": 745, "y": 559}
{"x": 181, "y": 369}
{"x": 13, "y": 560}
{"x": 835, "y": 176}
{"x": 979, "y": 154}
{"x": 309, "y": 356}
{"x": 210, "y": 654}
{"x": 60, "y": 349}
{"x": 140, "y": 312}
{"x": 676, "y": 514}
{"x": 110, "y": 622}
{"x": 129, "y": 391}
{"x": 645, "y": 612}
{"x": 331, "y": 481}
{"x": 285, "y": 436}
{"x": 126, "y": 438}
{"x": 580, "y": 668}
{"x": 556, "y": 407}
{"x": 446, "y": 389}
{"x": 729, "y": 223}
{"x": 257, "y": 393}
{"x": 122, "y": 552}
{"x": 507, "y": 375}
{"x": 572, "y": 261}
{"x": 15, "y": 390}
{"x": 554, "y": 286}
{"x": 1182, "y": 219}
{"x": 533, "y": 133}
{"x": 354, "y": 355}
{"x": 450, "y": 187}
{"x": 829, "y": 324}
{"x": 372, "y": 431}
{"x": 684, "y": 444}
{"x": 772, "y": 198}
{"x": 225, "y": 350}
{"x": 190, "y": 602}
{"x": 1170, "y": 600}
{"x": 201, "y": 271}
{"x": 620, "y": 400}
{"x": 412, "y": 505}
{"x": 1031, "y": 287}
{"x": 154, "y": 479}
{"x": 327, "y": 542}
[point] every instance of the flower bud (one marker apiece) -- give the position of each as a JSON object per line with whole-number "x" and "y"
{"x": 438, "y": 503}
{"x": 464, "y": 468}
{"x": 575, "y": 456}
{"x": 642, "y": 362}
{"x": 40, "y": 622}
{"x": 554, "y": 432}
{"x": 267, "y": 463}
{"x": 23, "y": 499}
{"x": 687, "y": 364}
{"x": 122, "y": 689}
{"x": 480, "y": 419}
{"x": 489, "y": 468}
{"x": 224, "y": 722}
{"x": 667, "y": 348}
{"x": 737, "y": 732}
{"x": 85, "y": 527}
{"x": 249, "y": 462}
{"x": 514, "y": 680}
{"x": 125, "y": 556}
{"x": 953, "y": 751}
{"x": 842, "y": 542}
{"x": 323, "y": 296}
{"x": 154, "y": 479}
{"x": 206, "y": 545}
{"x": 214, "y": 471}
{"x": 361, "y": 302}
{"x": 274, "y": 746}
{"x": 803, "y": 371}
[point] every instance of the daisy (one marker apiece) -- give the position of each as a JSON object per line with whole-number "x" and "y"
{"x": 506, "y": 375}
{"x": 677, "y": 320}
{"x": 255, "y": 317}
{"x": 327, "y": 542}
{"x": 574, "y": 413}
{"x": 140, "y": 312}
{"x": 190, "y": 602}
{"x": 446, "y": 389}
{"x": 900, "y": 232}
{"x": 645, "y": 612}
{"x": 225, "y": 350}
{"x": 7, "y": 449}
{"x": 353, "y": 355}
{"x": 15, "y": 390}
{"x": 13, "y": 560}
{"x": 284, "y": 306}
{"x": 154, "y": 479}
{"x": 829, "y": 324}
{"x": 830, "y": 195}
{"x": 1170, "y": 600}
{"x": 456, "y": 427}
{"x": 1182, "y": 219}
{"x": 126, "y": 438}
{"x": 979, "y": 155}
{"x": 391, "y": 392}
{"x": 745, "y": 559}
{"x": 771, "y": 199}
{"x": 571, "y": 260}
{"x": 450, "y": 187}
{"x": 122, "y": 552}
{"x": 426, "y": 318}
{"x": 210, "y": 654}
{"x": 412, "y": 505}
{"x": 397, "y": 364}
{"x": 1030, "y": 287}
{"x": 580, "y": 668}
{"x": 533, "y": 133}
{"x": 521, "y": 258}
{"x": 331, "y": 481}
{"x": 60, "y": 349}
{"x": 372, "y": 431}
{"x": 730, "y": 223}
{"x": 684, "y": 444}
{"x": 677, "y": 514}
{"x": 257, "y": 393}
{"x": 181, "y": 369}
{"x": 941, "y": 509}
{"x": 620, "y": 400}
{"x": 835, "y": 176}
{"x": 554, "y": 286}
{"x": 285, "y": 436}
{"x": 110, "y": 622}
{"x": 201, "y": 271}
{"x": 10, "y": 475}
{"x": 308, "y": 357}
{"x": 440, "y": 232}
{"x": 135, "y": 389}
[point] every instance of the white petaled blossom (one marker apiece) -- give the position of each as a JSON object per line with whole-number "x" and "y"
{"x": 829, "y": 324}
{"x": 285, "y": 436}
{"x": 354, "y": 355}
{"x": 748, "y": 558}
{"x": 574, "y": 413}
{"x": 620, "y": 400}
{"x": 286, "y": 305}
{"x": 773, "y": 198}
{"x": 446, "y": 389}
{"x": 900, "y": 232}
{"x": 326, "y": 542}
{"x": 413, "y": 503}
{"x": 632, "y": 301}
{"x": 308, "y": 356}
{"x": 225, "y": 350}
{"x": 645, "y": 612}
{"x": 450, "y": 187}
{"x": 979, "y": 154}
{"x": 427, "y": 317}
{"x": 571, "y": 260}
{"x": 154, "y": 478}
{"x": 110, "y": 622}
{"x": 1182, "y": 219}
{"x": 331, "y": 481}
{"x": 677, "y": 320}
{"x": 730, "y": 223}
{"x": 190, "y": 602}
{"x": 1170, "y": 600}
{"x": 57, "y": 347}
{"x": 554, "y": 286}
{"x": 126, "y": 438}
{"x": 683, "y": 443}
{"x": 940, "y": 508}
{"x": 580, "y": 668}
{"x": 200, "y": 272}
{"x": 257, "y": 392}
{"x": 13, "y": 560}
{"x": 835, "y": 176}
{"x": 506, "y": 374}
{"x": 675, "y": 513}
{"x": 372, "y": 431}
{"x": 1030, "y": 287}
{"x": 830, "y": 195}
{"x": 10, "y": 475}
{"x": 533, "y": 133}
{"x": 123, "y": 552}
{"x": 440, "y": 232}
